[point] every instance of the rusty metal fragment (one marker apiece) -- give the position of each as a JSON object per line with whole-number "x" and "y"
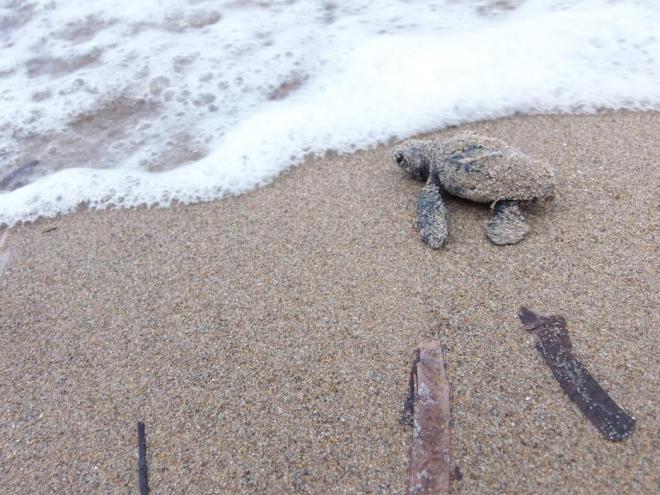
{"x": 428, "y": 406}
{"x": 554, "y": 344}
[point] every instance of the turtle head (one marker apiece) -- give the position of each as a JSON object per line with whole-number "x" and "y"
{"x": 413, "y": 157}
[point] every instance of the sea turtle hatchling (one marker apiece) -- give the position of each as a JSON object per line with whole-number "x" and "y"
{"x": 478, "y": 168}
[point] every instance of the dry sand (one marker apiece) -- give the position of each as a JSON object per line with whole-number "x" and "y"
{"x": 265, "y": 339}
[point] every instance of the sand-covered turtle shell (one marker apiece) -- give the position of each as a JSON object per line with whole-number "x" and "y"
{"x": 486, "y": 169}
{"x": 477, "y": 168}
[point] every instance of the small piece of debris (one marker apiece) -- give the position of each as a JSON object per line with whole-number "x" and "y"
{"x": 409, "y": 403}
{"x": 142, "y": 459}
{"x": 554, "y": 344}
{"x": 427, "y": 409}
{"x": 48, "y": 230}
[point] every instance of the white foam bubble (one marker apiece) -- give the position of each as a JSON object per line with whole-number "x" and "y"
{"x": 190, "y": 101}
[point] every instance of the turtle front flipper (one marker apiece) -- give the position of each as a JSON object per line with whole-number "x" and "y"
{"x": 507, "y": 223}
{"x": 432, "y": 215}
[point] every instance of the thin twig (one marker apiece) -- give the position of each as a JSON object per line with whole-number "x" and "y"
{"x": 142, "y": 463}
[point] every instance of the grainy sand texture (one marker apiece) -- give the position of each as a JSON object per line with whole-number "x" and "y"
{"x": 265, "y": 340}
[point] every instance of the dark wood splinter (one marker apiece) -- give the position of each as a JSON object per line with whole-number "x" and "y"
{"x": 554, "y": 344}
{"x": 142, "y": 462}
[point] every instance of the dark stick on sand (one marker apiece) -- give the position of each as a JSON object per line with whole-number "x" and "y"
{"x": 409, "y": 404}
{"x": 142, "y": 466}
{"x": 555, "y": 346}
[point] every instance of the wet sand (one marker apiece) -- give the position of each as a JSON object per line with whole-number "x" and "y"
{"x": 265, "y": 339}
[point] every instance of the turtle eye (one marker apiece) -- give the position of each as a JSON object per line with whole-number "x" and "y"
{"x": 399, "y": 158}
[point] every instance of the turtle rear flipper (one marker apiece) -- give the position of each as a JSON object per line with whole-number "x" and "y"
{"x": 432, "y": 215}
{"x": 507, "y": 223}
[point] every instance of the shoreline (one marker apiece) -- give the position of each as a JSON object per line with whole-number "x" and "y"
{"x": 265, "y": 339}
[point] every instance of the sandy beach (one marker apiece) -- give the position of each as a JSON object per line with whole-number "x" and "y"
{"x": 265, "y": 339}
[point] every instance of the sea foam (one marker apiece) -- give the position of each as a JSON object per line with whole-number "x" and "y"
{"x": 189, "y": 101}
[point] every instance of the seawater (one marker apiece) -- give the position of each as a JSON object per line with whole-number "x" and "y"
{"x": 118, "y": 104}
